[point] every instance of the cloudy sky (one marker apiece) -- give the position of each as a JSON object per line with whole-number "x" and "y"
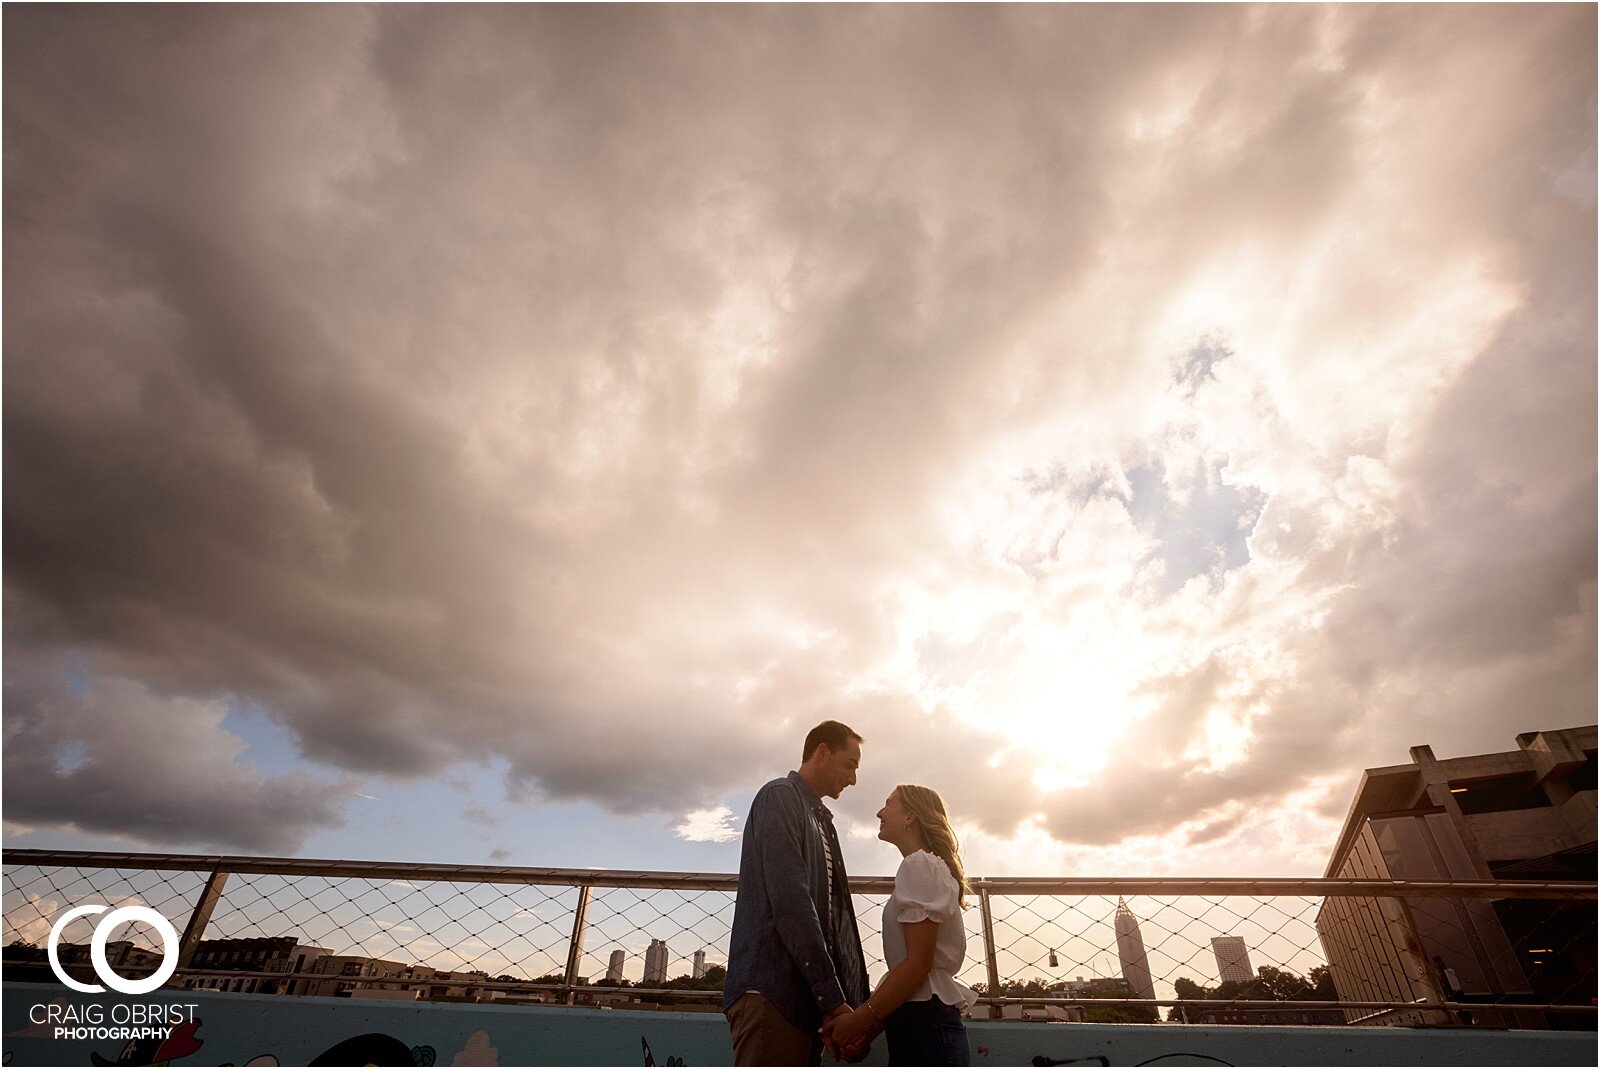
{"x": 498, "y": 435}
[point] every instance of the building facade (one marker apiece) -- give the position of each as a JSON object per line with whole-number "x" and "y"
{"x": 614, "y": 969}
{"x": 1233, "y": 959}
{"x": 699, "y": 964}
{"x": 280, "y": 955}
{"x": 1130, "y": 949}
{"x": 342, "y": 975}
{"x": 1525, "y": 814}
{"x": 655, "y": 962}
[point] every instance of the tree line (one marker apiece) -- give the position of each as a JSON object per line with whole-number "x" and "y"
{"x": 1098, "y": 988}
{"x": 1270, "y": 984}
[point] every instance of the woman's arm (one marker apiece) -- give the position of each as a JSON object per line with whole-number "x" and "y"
{"x": 859, "y": 1026}
{"x": 904, "y": 979}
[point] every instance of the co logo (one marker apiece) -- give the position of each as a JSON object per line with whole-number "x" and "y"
{"x": 97, "y": 949}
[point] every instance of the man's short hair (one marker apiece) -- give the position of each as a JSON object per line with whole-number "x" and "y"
{"x": 831, "y": 732}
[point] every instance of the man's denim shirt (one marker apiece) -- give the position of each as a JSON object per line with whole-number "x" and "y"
{"x": 778, "y": 947}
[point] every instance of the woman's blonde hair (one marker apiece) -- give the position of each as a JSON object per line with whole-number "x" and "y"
{"x": 927, "y": 810}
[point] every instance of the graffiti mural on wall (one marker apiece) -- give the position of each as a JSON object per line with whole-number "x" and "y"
{"x": 178, "y": 1043}
{"x": 650, "y": 1058}
{"x": 369, "y": 1048}
{"x": 478, "y": 1051}
{"x": 374, "y": 1048}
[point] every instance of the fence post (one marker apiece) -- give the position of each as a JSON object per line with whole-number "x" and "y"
{"x": 195, "y": 930}
{"x": 580, "y": 921}
{"x": 989, "y": 950}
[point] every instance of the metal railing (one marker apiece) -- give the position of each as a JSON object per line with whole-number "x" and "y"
{"x": 1052, "y": 945}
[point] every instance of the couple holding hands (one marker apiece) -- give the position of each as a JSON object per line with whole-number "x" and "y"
{"x": 797, "y": 981}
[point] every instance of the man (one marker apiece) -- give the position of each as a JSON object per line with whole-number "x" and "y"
{"x": 794, "y": 960}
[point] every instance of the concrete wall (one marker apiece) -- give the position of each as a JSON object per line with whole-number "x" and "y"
{"x": 268, "y": 1030}
{"x": 1579, "y": 813}
{"x": 1520, "y": 833}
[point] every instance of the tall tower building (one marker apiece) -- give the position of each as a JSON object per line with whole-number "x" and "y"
{"x": 655, "y": 962}
{"x": 1130, "y": 948}
{"x": 699, "y": 964}
{"x": 1233, "y": 959}
{"x": 614, "y": 970}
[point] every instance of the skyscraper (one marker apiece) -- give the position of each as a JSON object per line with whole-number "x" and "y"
{"x": 655, "y": 962}
{"x": 699, "y": 964}
{"x": 1233, "y": 959}
{"x": 1130, "y": 948}
{"x": 614, "y": 970}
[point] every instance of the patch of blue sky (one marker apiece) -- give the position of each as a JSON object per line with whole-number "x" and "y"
{"x": 465, "y": 817}
{"x": 72, "y": 755}
{"x": 79, "y": 675}
{"x": 269, "y": 745}
{"x": 1205, "y": 532}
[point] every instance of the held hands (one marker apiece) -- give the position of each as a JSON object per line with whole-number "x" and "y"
{"x": 848, "y": 1033}
{"x": 832, "y": 1018}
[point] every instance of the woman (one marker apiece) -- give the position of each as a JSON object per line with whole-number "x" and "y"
{"x": 919, "y": 1002}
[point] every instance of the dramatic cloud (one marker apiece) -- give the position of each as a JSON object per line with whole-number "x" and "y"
{"x": 1132, "y": 420}
{"x": 112, "y": 757}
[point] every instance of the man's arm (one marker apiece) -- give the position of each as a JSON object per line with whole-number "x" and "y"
{"x": 780, "y": 820}
{"x": 851, "y": 1034}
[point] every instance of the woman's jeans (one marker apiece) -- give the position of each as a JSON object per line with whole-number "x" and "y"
{"x": 927, "y": 1033}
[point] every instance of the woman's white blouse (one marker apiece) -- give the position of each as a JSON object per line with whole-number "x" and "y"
{"x": 924, "y": 890}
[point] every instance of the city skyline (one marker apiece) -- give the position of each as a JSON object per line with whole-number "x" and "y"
{"x": 1111, "y": 946}
{"x": 496, "y": 435}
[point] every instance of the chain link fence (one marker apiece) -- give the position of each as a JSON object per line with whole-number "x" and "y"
{"x": 1205, "y": 951}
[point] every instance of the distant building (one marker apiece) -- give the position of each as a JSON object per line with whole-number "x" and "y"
{"x": 1526, "y": 814}
{"x": 1130, "y": 948}
{"x": 440, "y": 985}
{"x": 699, "y": 964}
{"x": 1096, "y": 987}
{"x": 1018, "y": 1012}
{"x": 1078, "y": 987}
{"x": 341, "y": 975}
{"x": 300, "y": 959}
{"x": 274, "y": 954}
{"x": 655, "y": 962}
{"x": 614, "y": 970}
{"x": 1233, "y": 959}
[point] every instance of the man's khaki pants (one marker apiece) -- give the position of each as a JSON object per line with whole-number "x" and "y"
{"x": 763, "y": 1036}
